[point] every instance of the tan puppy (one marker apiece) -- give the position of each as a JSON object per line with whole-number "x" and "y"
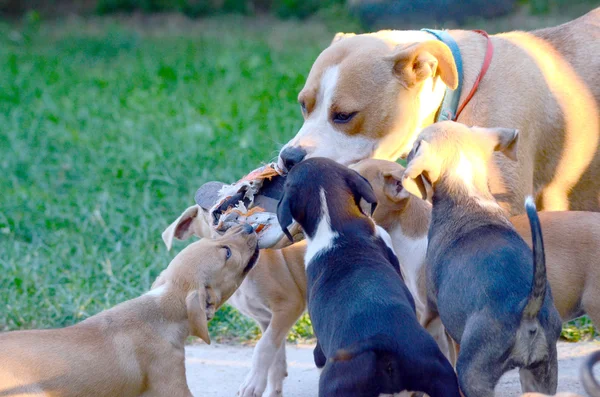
{"x": 370, "y": 95}
{"x": 571, "y": 240}
{"x": 137, "y": 347}
{"x": 273, "y": 294}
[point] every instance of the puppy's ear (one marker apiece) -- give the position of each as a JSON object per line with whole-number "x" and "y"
{"x": 507, "y": 142}
{"x": 421, "y": 173}
{"x": 341, "y": 35}
{"x": 284, "y": 214}
{"x": 505, "y": 139}
{"x": 182, "y": 228}
{"x": 392, "y": 186}
{"x": 196, "y": 304}
{"x": 419, "y": 61}
{"x": 361, "y": 189}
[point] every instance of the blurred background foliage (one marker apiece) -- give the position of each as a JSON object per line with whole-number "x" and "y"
{"x": 370, "y": 12}
{"x": 114, "y": 112}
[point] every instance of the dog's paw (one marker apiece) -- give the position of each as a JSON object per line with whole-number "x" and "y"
{"x": 253, "y": 386}
{"x": 276, "y": 384}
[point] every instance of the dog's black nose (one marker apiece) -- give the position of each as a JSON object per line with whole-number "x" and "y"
{"x": 247, "y": 228}
{"x": 291, "y": 156}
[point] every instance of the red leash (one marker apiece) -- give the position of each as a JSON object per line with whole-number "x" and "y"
{"x": 489, "y": 53}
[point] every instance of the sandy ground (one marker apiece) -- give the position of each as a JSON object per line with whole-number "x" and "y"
{"x": 218, "y": 370}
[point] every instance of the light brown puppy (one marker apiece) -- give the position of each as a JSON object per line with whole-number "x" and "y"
{"x": 137, "y": 347}
{"x": 571, "y": 240}
{"x": 273, "y": 294}
{"x": 369, "y": 96}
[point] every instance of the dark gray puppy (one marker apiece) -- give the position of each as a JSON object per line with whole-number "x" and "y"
{"x": 489, "y": 289}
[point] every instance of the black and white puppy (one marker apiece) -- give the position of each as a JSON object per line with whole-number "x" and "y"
{"x": 362, "y": 312}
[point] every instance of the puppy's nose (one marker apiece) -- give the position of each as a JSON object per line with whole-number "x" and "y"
{"x": 292, "y": 155}
{"x": 247, "y": 228}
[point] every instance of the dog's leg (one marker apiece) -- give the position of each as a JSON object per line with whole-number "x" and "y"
{"x": 436, "y": 329}
{"x": 479, "y": 365}
{"x": 591, "y": 303}
{"x": 266, "y": 350}
{"x": 168, "y": 378}
{"x": 277, "y": 373}
{"x": 542, "y": 377}
{"x": 319, "y": 356}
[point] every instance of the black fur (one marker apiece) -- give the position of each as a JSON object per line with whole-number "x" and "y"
{"x": 359, "y": 305}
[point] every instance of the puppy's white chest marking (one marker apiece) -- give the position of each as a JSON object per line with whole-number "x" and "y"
{"x": 159, "y": 291}
{"x": 412, "y": 253}
{"x": 380, "y": 232}
{"x": 323, "y": 237}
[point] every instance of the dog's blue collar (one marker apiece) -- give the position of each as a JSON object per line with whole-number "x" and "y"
{"x": 451, "y": 97}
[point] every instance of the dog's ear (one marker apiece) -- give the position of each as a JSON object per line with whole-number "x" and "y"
{"x": 196, "y": 304}
{"x": 284, "y": 214}
{"x": 420, "y": 61}
{"x": 507, "y": 142}
{"x": 421, "y": 173}
{"x": 505, "y": 139}
{"x": 392, "y": 186}
{"x": 194, "y": 221}
{"x": 361, "y": 189}
{"x": 341, "y": 35}
{"x": 182, "y": 228}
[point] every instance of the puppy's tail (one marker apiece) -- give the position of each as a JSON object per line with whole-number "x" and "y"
{"x": 587, "y": 376}
{"x": 538, "y": 289}
{"x": 375, "y": 343}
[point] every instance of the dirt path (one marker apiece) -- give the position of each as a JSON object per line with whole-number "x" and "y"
{"x": 218, "y": 370}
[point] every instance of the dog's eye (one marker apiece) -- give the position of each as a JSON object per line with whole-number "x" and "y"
{"x": 227, "y": 252}
{"x": 303, "y": 106}
{"x": 342, "y": 118}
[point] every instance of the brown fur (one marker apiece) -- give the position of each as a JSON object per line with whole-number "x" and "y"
{"x": 544, "y": 83}
{"x": 137, "y": 347}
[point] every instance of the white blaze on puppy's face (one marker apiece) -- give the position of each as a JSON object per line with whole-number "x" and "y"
{"x": 323, "y": 238}
{"x": 319, "y": 135}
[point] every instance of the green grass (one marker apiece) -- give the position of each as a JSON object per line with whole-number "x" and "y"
{"x": 108, "y": 126}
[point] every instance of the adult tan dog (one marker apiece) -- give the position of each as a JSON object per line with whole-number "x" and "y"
{"x": 571, "y": 240}
{"x": 370, "y": 95}
{"x": 137, "y": 347}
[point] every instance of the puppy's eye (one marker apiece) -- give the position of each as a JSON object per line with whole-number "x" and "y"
{"x": 227, "y": 252}
{"x": 303, "y": 106}
{"x": 343, "y": 118}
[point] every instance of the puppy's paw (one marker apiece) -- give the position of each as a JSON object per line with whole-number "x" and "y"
{"x": 276, "y": 393}
{"x": 253, "y": 386}
{"x": 276, "y": 382}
